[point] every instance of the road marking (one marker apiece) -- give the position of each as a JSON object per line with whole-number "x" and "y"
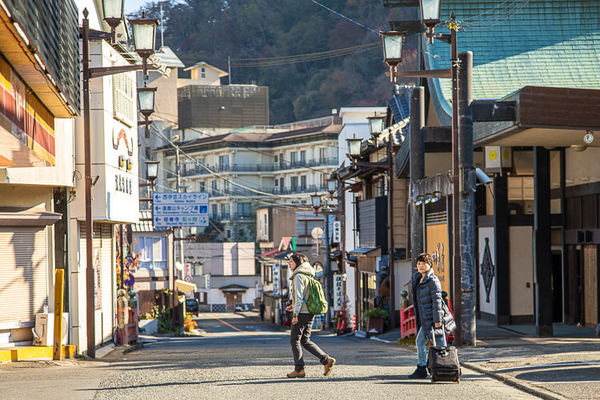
{"x": 231, "y": 326}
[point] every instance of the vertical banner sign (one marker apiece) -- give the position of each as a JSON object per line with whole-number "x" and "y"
{"x": 276, "y": 280}
{"x": 207, "y": 281}
{"x": 337, "y": 232}
{"x": 338, "y": 292}
{"x": 187, "y": 272}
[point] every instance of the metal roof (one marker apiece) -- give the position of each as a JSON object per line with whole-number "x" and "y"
{"x": 168, "y": 58}
{"x": 530, "y": 43}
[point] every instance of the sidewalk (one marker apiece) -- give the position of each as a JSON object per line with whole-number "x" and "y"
{"x": 551, "y": 368}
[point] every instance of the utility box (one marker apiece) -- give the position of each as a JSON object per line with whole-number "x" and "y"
{"x": 43, "y": 332}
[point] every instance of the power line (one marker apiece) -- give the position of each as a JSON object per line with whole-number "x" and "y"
{"x": 167, "y": 140}
{"x": 347, "y": 18}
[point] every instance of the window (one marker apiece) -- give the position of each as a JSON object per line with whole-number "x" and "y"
{"x": 276, "y": 158}
{"x": 281, "y": 160}
{"x": 203, "y": 75}
{"x": 244, "y": 209}
{"x": 224, "y": 162}
{"x": 203, "y": 69}
{"x": 281, "y": 183}
{"x": 201, "y": 161}
{"x": 226, "y": 187}
{"x": 294, "y": 182}
{"x": 148, "y": 153}
{"x": 225, "y": 210}
{"x": 276, "y": 182}
{"x": 214, "y": 185}
{"x": 268, "y": 273}
{"x": 153, "y": 251}
{"x": 124, "y": 99}
{"x": 303, "y": 183}
{"x": 201, "y": 186}
{"x": 294, "y": 157}
{"x": 303, "y": 157}
{"x": 322, "y": 154}
{"x": 215, "y": 210}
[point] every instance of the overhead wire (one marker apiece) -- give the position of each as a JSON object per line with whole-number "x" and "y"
{"x": 167, "y": 140}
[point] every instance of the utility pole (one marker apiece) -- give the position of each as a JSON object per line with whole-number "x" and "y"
{"x": 229, "y": 68}
{"x": 391, "y": 245}
{"x": 417, "y": 169}
{"x": 327, "y": 271}
{"x": 466, "y": 199}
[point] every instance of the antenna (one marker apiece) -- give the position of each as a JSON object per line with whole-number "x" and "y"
{"x": 162, "y": 27}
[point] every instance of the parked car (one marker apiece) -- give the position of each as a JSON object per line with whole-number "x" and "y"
{"x": 192, "y": 306}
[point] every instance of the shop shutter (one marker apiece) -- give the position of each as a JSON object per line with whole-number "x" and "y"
{"x": 23, "y": 273}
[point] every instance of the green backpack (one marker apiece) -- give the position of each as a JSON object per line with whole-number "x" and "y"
{"x": 316, "y": 302}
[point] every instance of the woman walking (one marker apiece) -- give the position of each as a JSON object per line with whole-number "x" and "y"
{"x": 429, "y": 311}
{"x": 301, "y": 319}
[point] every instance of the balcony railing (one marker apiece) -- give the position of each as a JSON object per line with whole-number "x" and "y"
{"x": 300, "y": 189}
{"x": 271, "y": 167}
{"x": 307, "y": 164}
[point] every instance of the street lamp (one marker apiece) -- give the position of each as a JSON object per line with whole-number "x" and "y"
{"x": 146, "y": 99}
{"x": 430, "y": 16}
{"x": 316, "y": 202}
{"x": 152, "y": 171}
{"x": 144, "y": 35}
{"x": 392, "y": 50}
{"x": 354, "y": 145}
{"x": 113, "y": 14}
{"x": 375, "y": 124}
{"x": 331, "y": 186}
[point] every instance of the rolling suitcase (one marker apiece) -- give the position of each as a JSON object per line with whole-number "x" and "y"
{"x": 442, "y": 363}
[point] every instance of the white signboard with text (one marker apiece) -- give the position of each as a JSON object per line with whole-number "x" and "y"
{"x": 276, "y": 280}
{"x": 338, "y": 292}
{"x": 179, "y": 209}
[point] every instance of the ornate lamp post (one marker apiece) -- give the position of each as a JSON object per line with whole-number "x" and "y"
{"x": 113, "y": 16}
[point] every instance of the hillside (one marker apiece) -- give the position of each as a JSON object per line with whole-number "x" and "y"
{"x": 212, "y": 30}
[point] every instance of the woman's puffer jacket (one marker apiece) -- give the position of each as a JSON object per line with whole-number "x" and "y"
{"x": 427, "y": 299}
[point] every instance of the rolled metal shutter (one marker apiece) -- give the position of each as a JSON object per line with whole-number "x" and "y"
{"x": 23, "y": 273}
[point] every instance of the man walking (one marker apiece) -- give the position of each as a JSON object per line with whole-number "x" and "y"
{"x": 301, "y": 319}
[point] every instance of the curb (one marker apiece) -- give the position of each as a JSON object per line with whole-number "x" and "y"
{"x": 544, "y": 394}
{"x": 137, "y": 346}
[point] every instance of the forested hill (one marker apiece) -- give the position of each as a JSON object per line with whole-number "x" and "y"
{"x": 212, "y": 30}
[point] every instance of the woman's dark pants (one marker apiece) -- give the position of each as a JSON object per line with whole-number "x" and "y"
{"x": 300, "y": 337}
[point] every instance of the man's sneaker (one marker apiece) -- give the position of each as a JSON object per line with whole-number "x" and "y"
{"x": 329, "y": 365}
{"x": 420, "y": 373}
{"x": 296, "y": 374}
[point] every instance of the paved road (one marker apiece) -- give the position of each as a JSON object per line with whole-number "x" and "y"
{"x": 240, "y": 358}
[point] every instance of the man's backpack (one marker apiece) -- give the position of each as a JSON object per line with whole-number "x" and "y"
{"x": 316, "y": 301}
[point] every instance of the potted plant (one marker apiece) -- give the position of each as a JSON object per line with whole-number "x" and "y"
{"x": 376, "y": 318}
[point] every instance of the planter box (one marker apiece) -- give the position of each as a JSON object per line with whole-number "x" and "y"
{"x": 375, "y": 323}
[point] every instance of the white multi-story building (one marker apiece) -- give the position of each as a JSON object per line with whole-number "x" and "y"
{"x": 243, "y": 169}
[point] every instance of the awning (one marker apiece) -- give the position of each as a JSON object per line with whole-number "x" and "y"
{"x": 234, "y": 288}
{"x": 19, "y": 217}
{"x": 270, "y": 253}
{"x": 185, "y": 287}
{"x": 362, "y": 250}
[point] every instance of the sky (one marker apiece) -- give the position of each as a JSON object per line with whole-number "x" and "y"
{"x": 134, "y": 5}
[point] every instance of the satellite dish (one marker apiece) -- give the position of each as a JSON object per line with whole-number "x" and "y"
{"x": 317, "y": 233}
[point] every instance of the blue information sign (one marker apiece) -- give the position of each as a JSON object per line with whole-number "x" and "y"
{"x": 171, "y": 210}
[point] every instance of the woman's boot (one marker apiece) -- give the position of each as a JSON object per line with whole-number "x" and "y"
{"x": 420, "y": 373}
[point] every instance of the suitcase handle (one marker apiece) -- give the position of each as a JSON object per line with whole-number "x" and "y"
{"x": 433, "y": 333}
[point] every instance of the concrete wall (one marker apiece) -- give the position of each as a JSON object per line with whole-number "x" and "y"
{"x": 578, "y": 164}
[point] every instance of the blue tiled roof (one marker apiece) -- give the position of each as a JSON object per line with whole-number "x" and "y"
{"x": 519, "y": 43}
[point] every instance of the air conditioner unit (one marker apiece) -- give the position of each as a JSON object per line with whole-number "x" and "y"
{"x": 43, "y": 332}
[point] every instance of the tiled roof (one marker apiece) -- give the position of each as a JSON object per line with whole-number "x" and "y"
{"x": 519, "y": 43}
